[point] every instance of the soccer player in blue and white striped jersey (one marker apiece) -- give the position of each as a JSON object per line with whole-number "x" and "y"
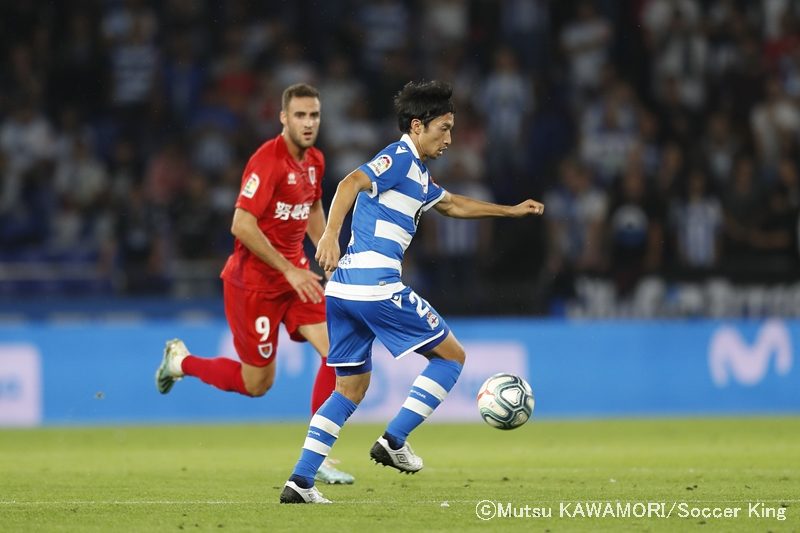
{"x": 366, "y": 297}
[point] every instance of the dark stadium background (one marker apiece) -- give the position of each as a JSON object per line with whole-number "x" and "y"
{"x": 663, "y": 135}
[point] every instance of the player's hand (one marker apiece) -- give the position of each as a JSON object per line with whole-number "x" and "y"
{"x": 526, "y": 208}
{"x": 306, "y": 284}
{"x": 328, "y": 252}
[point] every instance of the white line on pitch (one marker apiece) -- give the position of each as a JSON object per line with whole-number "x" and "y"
{"x": 360, "y": 502}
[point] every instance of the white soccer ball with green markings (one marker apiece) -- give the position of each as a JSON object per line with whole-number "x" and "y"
{"x": 505, "y": 401}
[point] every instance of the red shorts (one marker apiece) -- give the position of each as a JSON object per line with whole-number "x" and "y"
{"x": 254, "y": 321}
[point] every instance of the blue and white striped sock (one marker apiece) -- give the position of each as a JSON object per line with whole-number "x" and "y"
{"x": 322, "y": 434}
{"x": 427, "y": 392}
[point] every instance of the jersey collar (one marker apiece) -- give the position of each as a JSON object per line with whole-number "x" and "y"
{"x": 406, "y": 138}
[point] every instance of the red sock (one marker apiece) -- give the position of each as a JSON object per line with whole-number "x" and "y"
{"x": 323, "y": 386}
{"x": 220, "y": 372}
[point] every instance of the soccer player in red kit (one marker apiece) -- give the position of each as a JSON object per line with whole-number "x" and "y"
{"x": 267, "y": 279}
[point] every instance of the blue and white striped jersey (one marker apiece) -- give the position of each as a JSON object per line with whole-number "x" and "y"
{"x": 384, "y": 222}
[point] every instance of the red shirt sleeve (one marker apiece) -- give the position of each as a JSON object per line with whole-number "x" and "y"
{"x": 258, "y": 187}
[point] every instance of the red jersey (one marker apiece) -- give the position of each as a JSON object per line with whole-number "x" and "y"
{"x": 279, "y": 192}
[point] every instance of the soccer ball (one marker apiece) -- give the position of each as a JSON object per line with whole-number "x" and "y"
{"x": 505, "y": 401}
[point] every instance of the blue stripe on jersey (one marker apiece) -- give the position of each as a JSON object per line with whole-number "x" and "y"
{"x": 389, "y": 247}
{"x": 386, "y": 224}
{"x": 367, "y": 276}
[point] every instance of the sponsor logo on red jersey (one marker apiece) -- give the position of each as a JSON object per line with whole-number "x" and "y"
{"x": 286, "y": 211}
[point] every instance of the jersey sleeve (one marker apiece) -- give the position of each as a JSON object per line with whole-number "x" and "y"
{"x": 257, "y": 188}
{"x": 434, "y": 196}
{"x": 385, "y": 171}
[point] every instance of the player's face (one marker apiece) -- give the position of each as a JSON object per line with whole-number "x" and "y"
{"x": 435, "y": 139}
{"x": 301, "y": 121}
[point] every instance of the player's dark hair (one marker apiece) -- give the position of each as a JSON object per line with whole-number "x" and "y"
{"x": 298, "y": 90}
{"x": 423, "y": 100}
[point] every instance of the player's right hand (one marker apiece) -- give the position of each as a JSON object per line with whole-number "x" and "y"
{"x": 306, "y": 284}
{"x": 528, "y": 207}
{"x": 328, "y": 252}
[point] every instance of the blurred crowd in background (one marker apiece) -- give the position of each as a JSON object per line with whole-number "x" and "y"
{"x": 662, "y": 135}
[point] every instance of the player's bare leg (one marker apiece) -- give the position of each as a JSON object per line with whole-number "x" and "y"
{"x": 354, "y": 388}
{"x": 449, "y": 349}
{"x": 317, "y": 336}
{"x": 258, "y": 379}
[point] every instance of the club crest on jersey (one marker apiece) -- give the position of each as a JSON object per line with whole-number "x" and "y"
{"x": 312, "y": 175}
{"x": 251, "y": 186}
{"x": 380, "y": 164}
{"x": 291, "y": 178}
{"x": 265, "y": 350}
{"x": 433, "y": 320}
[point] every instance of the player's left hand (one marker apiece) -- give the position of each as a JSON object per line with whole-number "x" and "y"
{"x": 527, "y": 208}
{"x": 306, "y": 284}
{"x": 328, "y": 252}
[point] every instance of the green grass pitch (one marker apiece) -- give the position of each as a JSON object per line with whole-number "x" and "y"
{"x": 228, "y": 478}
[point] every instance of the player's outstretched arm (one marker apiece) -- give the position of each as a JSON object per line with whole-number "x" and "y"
{"x": 304, "y": 282}
{"x": 346, "y": 193}
{"x": 457, "y": 206}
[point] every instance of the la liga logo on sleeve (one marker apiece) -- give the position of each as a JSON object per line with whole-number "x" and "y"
{"x": 250, "y": 188}
{"x": 380, "y": 164}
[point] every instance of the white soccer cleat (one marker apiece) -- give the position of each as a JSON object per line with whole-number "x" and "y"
{"x": 292, "y": 493}
{"x": 331, "y": 475}
{"x": 169, "y": 371}
{"x": 404, "y": 459}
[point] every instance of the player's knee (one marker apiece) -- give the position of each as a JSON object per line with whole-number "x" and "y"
{"x": 260, "y": 387}
{"x": 459, "y": 355}
{"x": 353, "y": 390}
{"x": 256, "y": 391}
{"x": 455, "y": 352}
{"x": 449, "y": 350}
{"x": 354, "y": 394}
